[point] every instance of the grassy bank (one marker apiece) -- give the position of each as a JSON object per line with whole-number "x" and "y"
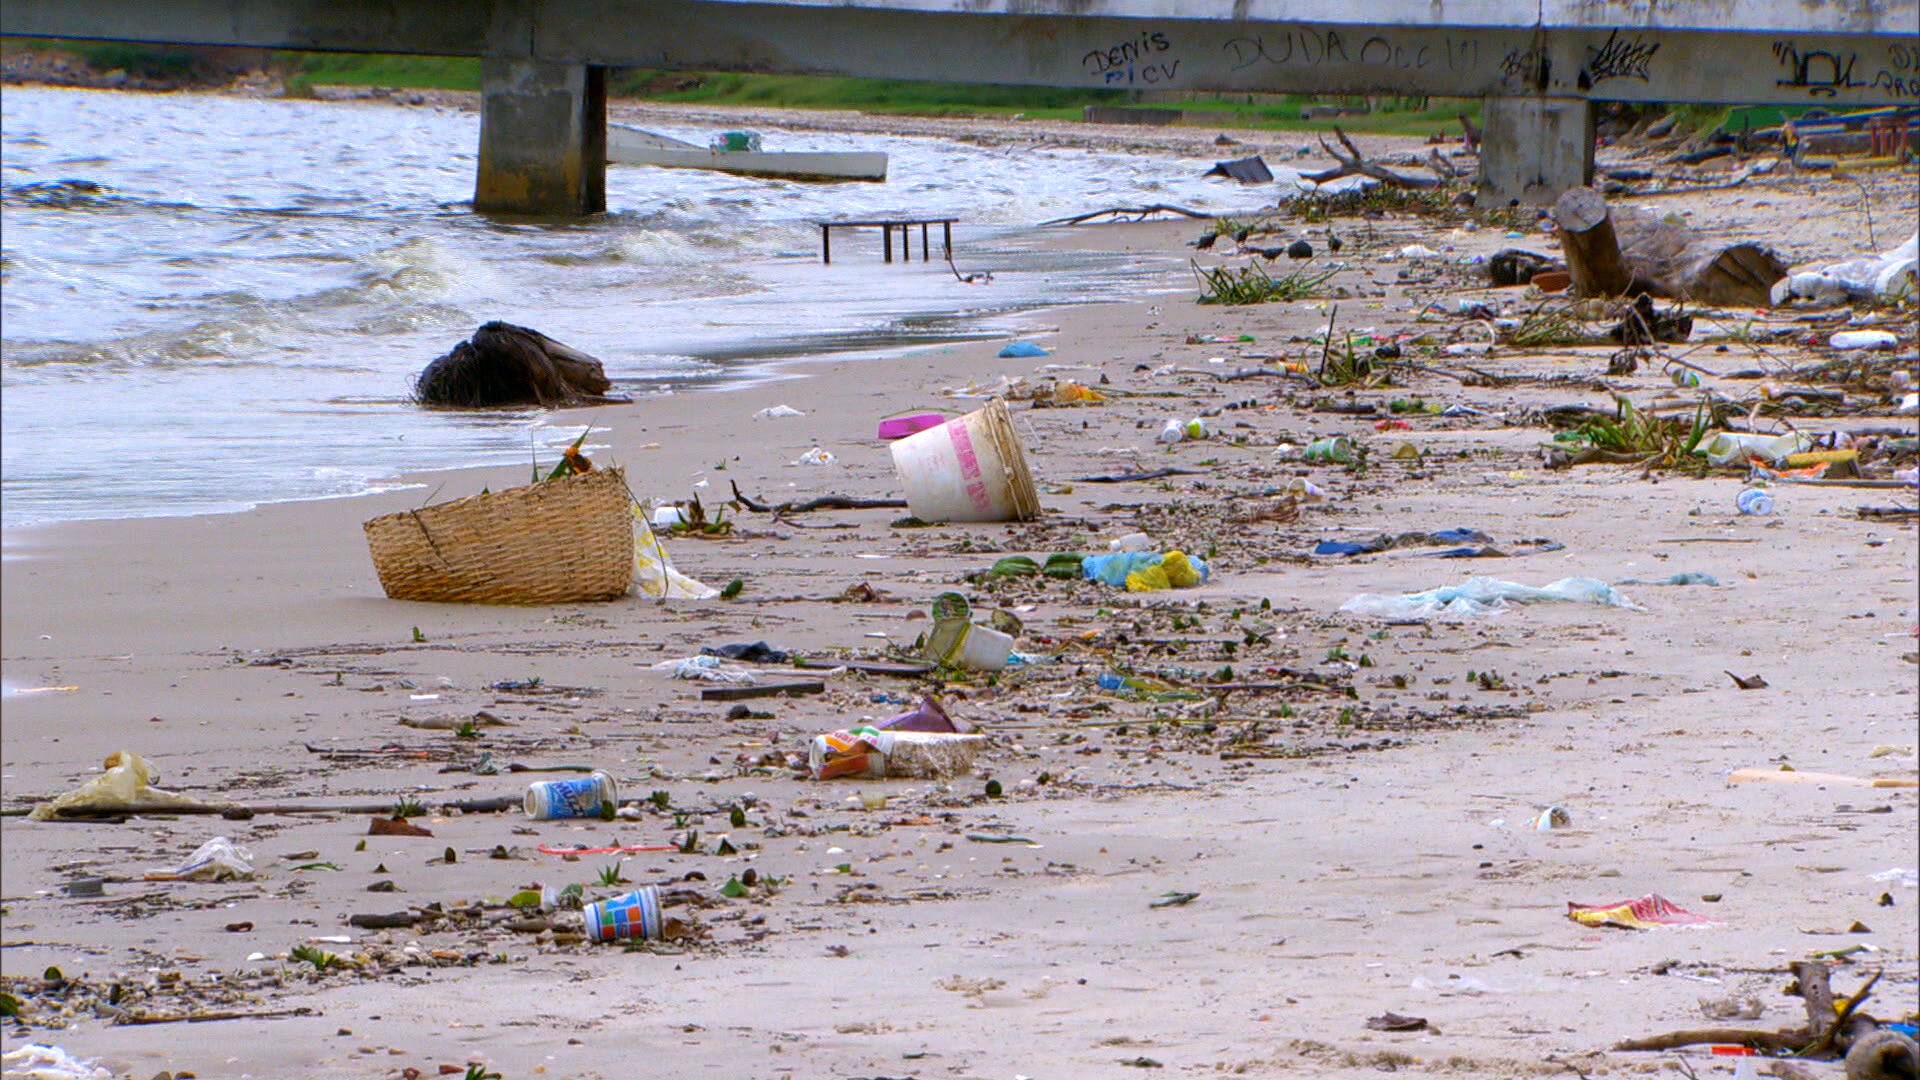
{"x": 301, "y": 71}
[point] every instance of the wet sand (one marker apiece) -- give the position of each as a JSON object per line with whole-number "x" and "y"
{"x": 1355, "y": 823}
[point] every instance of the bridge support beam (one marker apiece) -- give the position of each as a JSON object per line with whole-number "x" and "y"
{"x": 1534, "y": 148}
{"x": 543, "y": 138}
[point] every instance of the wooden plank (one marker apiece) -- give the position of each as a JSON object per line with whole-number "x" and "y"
{"x": 865, "y": 667}
{"x": 741, "y": 693}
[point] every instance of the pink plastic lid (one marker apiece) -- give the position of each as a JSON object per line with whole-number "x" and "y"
{"x": 899, "y": 427}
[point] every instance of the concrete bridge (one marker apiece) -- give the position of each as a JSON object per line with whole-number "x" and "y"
{"x": 1540, "y": 68}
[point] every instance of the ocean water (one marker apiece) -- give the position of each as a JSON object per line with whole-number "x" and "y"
{"x": 209, "y": 302}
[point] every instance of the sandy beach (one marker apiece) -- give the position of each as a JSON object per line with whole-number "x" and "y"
{"x": 1350, "y": 799}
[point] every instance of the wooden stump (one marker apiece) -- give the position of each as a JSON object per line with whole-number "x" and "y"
{"x": 1588, "y": 241}
{"x": 1614, "y": 254}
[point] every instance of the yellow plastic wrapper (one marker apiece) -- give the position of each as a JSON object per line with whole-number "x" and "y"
{"x": 1179, "y": 570}
{"x": 127, "y": 784}
{"x": 1149, "y": 579}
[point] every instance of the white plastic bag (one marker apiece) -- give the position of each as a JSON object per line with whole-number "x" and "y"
{"x": 36, "y": 1061}
{"x": 706, "y": 669}
{"x": 216, "y": 860}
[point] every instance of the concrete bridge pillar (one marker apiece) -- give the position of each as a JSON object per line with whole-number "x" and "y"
{"x": 1534, "y": 148}
{"x": 543, "y": 138}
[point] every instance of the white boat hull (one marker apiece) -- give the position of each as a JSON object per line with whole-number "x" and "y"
{"x": 630, "y": 146}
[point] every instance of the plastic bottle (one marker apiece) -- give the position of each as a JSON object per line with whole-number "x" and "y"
{"x": 1181, "y": 430}
{"x": 1756, "y": 502}
{"x": 1338, "y": 449}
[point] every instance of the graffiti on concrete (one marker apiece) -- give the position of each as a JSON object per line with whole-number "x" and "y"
{"x": 1312, "y": 48}
{"x": 1819, "y": 72}
{"x": 1617, "y": 58}
{"x": 1126, "y": 62}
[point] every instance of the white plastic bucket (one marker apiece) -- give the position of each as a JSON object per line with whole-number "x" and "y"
{"x": 968, "y": 469}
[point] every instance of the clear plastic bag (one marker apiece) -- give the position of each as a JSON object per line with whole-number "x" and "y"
{"x": 1483, "y": 596}
{"x": 216, "y": 860}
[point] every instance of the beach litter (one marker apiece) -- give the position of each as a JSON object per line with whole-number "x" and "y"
{"x": 219, "y": 859}
{"x": 1146, "y": 571}
{"x": 1685, "y": 577}
{"x": 815, "y": 456}
{"x": 126, "y": 786}
{"x": 957, "y": 641}
{"x": 1643, "y": 913}
{"x": 705, "y": 669}
{"x": 1021, "y": 350}
{"x": 592, "y": 796}
{"x": 1483, "y": 596}
{"x": 776, "y": 412}
{"x": 872, "y": 753}
{"x": 972, "y": 468}
{"x": 756, "y": 652}
{"x": 35, "y": 1061}
{"x": 899, "y": 427}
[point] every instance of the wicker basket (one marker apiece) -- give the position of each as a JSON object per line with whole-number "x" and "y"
{"x": 554, "y": 542}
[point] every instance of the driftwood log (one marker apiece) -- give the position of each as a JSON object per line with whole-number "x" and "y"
{"x": 1616, "y": 253}
{"x": 503, "y": 364}
{"x": 1354, "y": 163}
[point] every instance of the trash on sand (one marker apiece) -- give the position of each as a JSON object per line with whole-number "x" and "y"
{"x": 1482, "y": 596}
{"x": 705, "y": 669}
{"x": 1644, "y": 913}
{"x": 758, "y": 652}
{"x": 972, "y": 468}
{"x": 929, "y": 716}
{"x": 1553, "y": 817}
{"x": 216, "y": 860}
{"x": 866, "y": 752}
{"x": 1685, "y": 577}
{"x": 1174, "y": 898}
{"x": 775, "y": 412}
{"x": 1754, "y": 502}
{"x": 1786, "y": 774}
{"x": 1145, "y": 571}
{"x": 1863, "y": 339}
{"x": 1305, "y": 490}
{"x": 1887, "y": 276}
{"x": 1751, "y": 682}
{"x": 37, "y": 1061}
{"x": 1737, "y": 447}
{"x": 899, "y": 427}
{"x": 594, "y": 796}
{"x": 963, "y": 643}
{"x": 125, "y": 785}
{"x": 1022, "y": 350}
{"x": 634, "y": 915}
{"x": 815, "y": 456}
{"x": 1182, "y": 430}
{"x": 1393, "y": 1021}
{"x": 503, "y": 364}
{"x": 1068, "y": 392}
{"x": 1337, "y": 450}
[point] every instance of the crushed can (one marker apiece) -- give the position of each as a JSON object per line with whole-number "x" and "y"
{"x": 590, "y": 796}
